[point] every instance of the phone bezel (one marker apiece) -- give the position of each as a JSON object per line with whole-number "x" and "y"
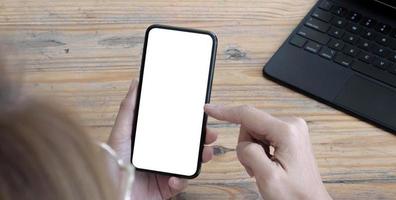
{"x": 207, "y": 98}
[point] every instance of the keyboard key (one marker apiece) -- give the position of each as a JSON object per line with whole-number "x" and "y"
{"x": 352, "y": 39}
{"x": 368, "y": 22}
{"x": 354, "y": 16}
{"x": 322, "y": 15}
{"x": 374, "y": 72}
{"x": 325, "y": 5}
{"x": 313, "y": 35}
{"x": 339, "y": 22}
{"x": 368, "y": 34}
{"x": 351, "y": 51}
{"x": 365, "y": 57}
{"x": 317, "y": 25}
{"x": 312, "y": 47}
{"x": 335, "y": 32}
{"x": 381, "y": 63}
{"x": 298, "y": 41}
{"x": 353, "y": 28}
{"x": 381, "y": 51}
{"x": 383, "y": 28}
{"x": 343, "y": 60}
{"x": 383, "y": 40}
{"x": 364, "y": 44}
{"x": 338, "y": 10}
{"x": 392, "y": 69}
{"x": 336, "y": 44}
{"x": 327, "y": 53}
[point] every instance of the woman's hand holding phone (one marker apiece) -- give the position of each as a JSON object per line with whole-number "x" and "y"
{"x": 147, "y": 185}
{"x": 291, "y": 171}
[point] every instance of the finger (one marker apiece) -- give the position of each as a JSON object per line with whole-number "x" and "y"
{"x": 125, "y": 113}
{"x": 259, "y": 124}
{"x": 207, "y": 154}
{"x": 266, "y": 148}
{"x": 249, "y": 171}
{"x": 177, "y": 185}
{"x": 244, "y": 136}
{"x": 211, "y": 136}
{"x": 253, "y": 157}
{"x": 122, "y": 128}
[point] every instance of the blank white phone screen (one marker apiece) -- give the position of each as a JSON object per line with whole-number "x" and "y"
{"x": 172, "y": 98}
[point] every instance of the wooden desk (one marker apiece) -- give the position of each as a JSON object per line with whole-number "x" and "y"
{"x": 86, "y": 52}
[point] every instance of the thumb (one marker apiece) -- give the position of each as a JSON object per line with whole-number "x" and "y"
{"x": 120, "y": 137}
{"x": 122, "y": 128}
{"x": 254, "y": 158}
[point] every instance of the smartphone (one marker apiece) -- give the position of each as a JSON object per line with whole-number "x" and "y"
{"x": 175, "y": 83}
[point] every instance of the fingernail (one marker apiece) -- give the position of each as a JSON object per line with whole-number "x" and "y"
{"x": 175, "y": 182}
{"x": 210, "y": 106}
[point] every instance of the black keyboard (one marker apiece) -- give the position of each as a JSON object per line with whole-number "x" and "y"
{"x": 351, "y": 40}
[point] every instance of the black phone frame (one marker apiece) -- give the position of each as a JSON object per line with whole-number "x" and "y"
{"x": 207, "y": 98}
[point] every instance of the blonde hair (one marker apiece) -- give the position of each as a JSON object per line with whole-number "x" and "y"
{"x": 44, "y": 154}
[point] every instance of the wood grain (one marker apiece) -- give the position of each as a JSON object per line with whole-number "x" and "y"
{"x": 84, "y": 53}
